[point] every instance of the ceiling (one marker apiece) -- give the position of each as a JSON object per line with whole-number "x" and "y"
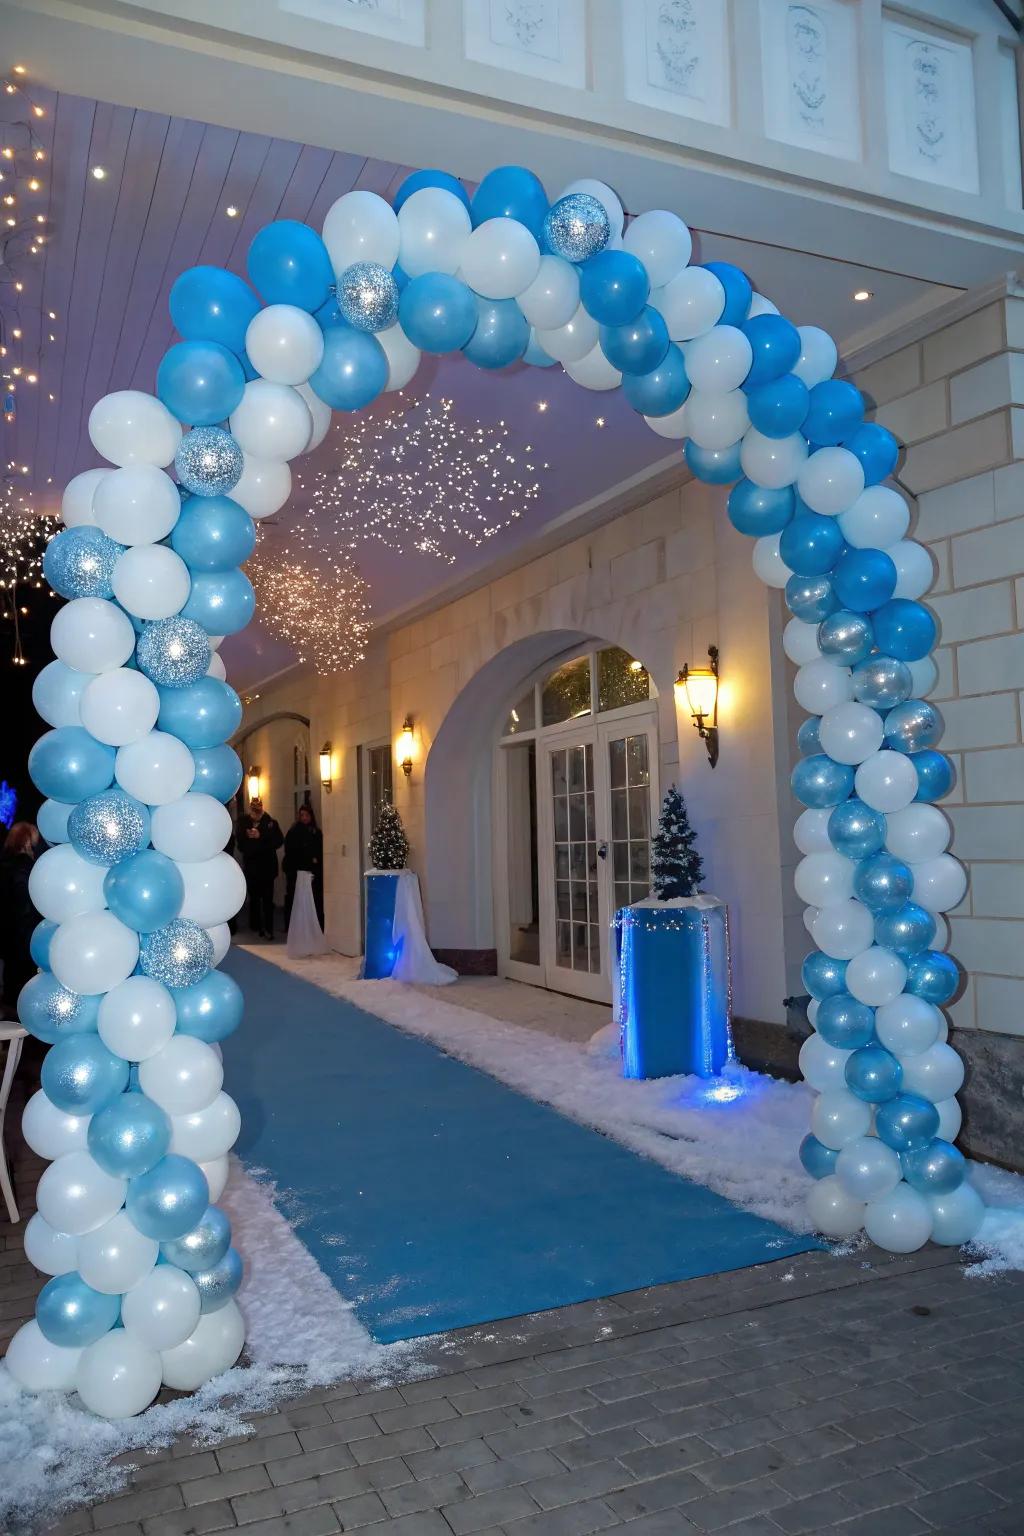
{"x": 115, "y": 245}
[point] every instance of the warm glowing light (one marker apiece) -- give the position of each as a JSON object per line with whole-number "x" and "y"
{"x": 326, "y": 768}
{"x": 862, "y": 295}
{"x": 32, "y": 378}
{"x": 19, "y": 69}
{"x": 252, "y": 782}
{"x": 636, "y": 666}
{"x": 35, "y": 185}
{"x": 231, "y": 211}
{"x": 700, "y": 686}
{"x": 406, "y": 744}
{"x": 98, "y": 173}
{"x": 38, "y": 112}
{"x": 600, "y": 422}
{"x": 542, "y": 405}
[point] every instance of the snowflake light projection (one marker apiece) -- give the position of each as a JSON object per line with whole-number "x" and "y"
{"x": 325, "y": 616}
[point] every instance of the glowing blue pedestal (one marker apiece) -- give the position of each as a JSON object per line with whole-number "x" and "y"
{"x": 674, "y": 1001}
{"x": 381, "y": 949}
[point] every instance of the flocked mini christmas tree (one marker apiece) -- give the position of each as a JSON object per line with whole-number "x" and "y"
{"x": 676, "y": 867}
{"x": 388, "y": 846}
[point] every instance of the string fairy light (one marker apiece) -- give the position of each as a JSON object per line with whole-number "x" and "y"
{"x": 24, "y": 535}
{"x": 324, "y": 615}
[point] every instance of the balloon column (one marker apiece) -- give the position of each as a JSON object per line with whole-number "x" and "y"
{"x": 135, "y": 892}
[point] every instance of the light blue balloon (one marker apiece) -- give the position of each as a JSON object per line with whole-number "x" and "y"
{"x": 71, "y": 1314}
{"x": 145, "y": 892}
{"x": 501, "y": 335}
{"x": 882, "y": 681}
{"x": 217, "y": 1285}
{"x": 865, "y": 579}
{"x": 904, "y": 629}
{"x": 223, "y": 602}
{"x": 715, "y": 466}
{"x": 820, "y": 781}
{"x": 218, "y": 772}
{"x": 353, "y": 370}
{"x": 775, "y": 344}
{"x": 51, "y": 1011}
{"x": 811, "y": 598}
{"x": 856, "y": 830}
{"x": 935, "y": 775}
{"x": 211, "y": 304}
{"x": 204, "y": 1246}
{"x": 108, "y": 828}
{"x": 639, "y": 345}
{"x": 663, "y": 389}
{"x": 818, "y": 1160}
{"x": 79, "y": 562}
{"x": 52, "y": 821}
{"x": 823, "y": 975}
{"x": 200, "y": 382}
{"x": 213, "y": 533}
{"x": 80, "y": 1075}
{"x": 211, "y": 1009}
{"x": 756, "y": 510}
{"x": 937, "y": 1169}
{"x": 129, "y": 1135}
{"x": 204, "y": 715}
{"x": 70, "y": 765}
{"x": 168, "y": 1200}
{"x": 437, "y": 312}
{"x": 874, "y": 1074}
{"x": 906, "y": 1122}
{"x": 907, "y": 931}
{"x": 57, "y": 690}
{"x": 808, "y": 737}
{"x": 614, "y": 287}
{"x": 845, "y": 1023}
{"x": 846, "y": 637}
{"x": 913, "y": 726}
{"x": 933, "y": 976}
{"x": 883, "y": 883}
{"x": 288, "y": 264}
{"x": 535, "y": 354}
{"x": 778, "y": 409}
{"x": 39, "y": 944}
{"x": 507, "y": 192}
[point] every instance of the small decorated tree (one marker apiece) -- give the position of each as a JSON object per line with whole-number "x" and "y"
{"x": 676, "y": 867}
{"x": 388, "y": 846}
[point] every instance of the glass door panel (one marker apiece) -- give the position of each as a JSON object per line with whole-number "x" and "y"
{"x": 630, "y": 790}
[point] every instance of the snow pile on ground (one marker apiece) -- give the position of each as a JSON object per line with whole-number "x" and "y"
{"x": 999, "y": 1246}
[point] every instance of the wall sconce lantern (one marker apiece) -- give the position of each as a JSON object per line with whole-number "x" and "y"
{"x": 699, "y": 687}
{"x": 252, "y": 781}
{"x": 325, "y": 768}
{"x": 405, "y": 746}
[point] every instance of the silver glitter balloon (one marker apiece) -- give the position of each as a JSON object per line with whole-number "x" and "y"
{"x": 208, "y": 461}
{"x": 846, "y": 637}
{"x": 173, "y": 652}
{"x": 108, "y": 827}
{"x": 912, "y": 726}
{"x": 368, "y": 296}
{"x": 216, "y": 1286}
{"x": 179, "y": 954}
{"x": 577, "y": 227}
{"x": 79, "y": 562}
{"x": 203, "y": 1247}
{"x": 882, "y": 682}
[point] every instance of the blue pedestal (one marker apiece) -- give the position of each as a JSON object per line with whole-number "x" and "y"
{"x": 674, "y": 992}
{"x": 381, "y": 951}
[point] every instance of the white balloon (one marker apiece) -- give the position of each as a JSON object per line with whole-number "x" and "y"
{"x": 811, "y": 831}
{"x": 800, "y": 642}
{"x": 271, "y": 420}
{"x": 217, "y": 668}
{"x": 915, "y": 569}
{"x": 137, "y": 1018}
{"x": 57, "y": 693}
{"x": 768, "y": 562}
{"x": 553, "y": 297}
{"x": 900, "y": 1222}
{"x": 876, "y": 976}
{"x": 195, "y": 827}
{"x": 940, "y": 884}
{"x": 75, "y": 1195}
{"x": 52, "y": 821}
{"x": 822, "y": 879}
{"x": 94, "y": 952}
{"x": 214, "y": 890}
{"x": 818, "y": 356}
{"x": 216, "y": 1174}
{"x": 611, "y": 202}
{"x": 55, "y": 1253}
{"x": 151, "y": 581}
{"x": 809, "y": 916}
{"x": 924, "y": 674}
{"x": 320, "y": 414}
{"x": 850, "y": 732}
{"x": 917, "y": 833}
{"x": 594, "y": 371}
{"x": 832, "y": 1211}
{"x": 830, "y": 481}
{"x": 39, "y": 1366}
{"x": 220, "y": 936}
{"x": 717, "y": 421}
{"x": 208, "y": 1133}
{"x": 63, "y": 885}
{"x": 434, "y": 226}
{"x": 690, "y": 304}
{"x": 163, "y": 1308}
{"x": 814, "y": 1004}
{"x": 214, "y": 1344}
{"x": 719, "y": 360}
{"x": 673, "y": 426}
{"x": 867, "y": 1169}
{"x": 119, "y": 707}
{"x": 887, "y": 781}
{"x": 139, "y": 504}
{"x": 500, "y": 259}
{"x": 843, "y": 930}
{"x": 92, "y": 635}
{"x": 183, "y": 1077}
{"x": 759, "y": 305}
{"x": 76, "y": 506}
{"x": 908, "y": 1025}
{"x": 264, "y": 486}
{"x": 403, "y": 358}
{"x": 116, "y": 1255}
{"x": 156, "y": 769}
{"x": 772, "y": 461}
{"x": 878, "y": 519}
{"x": 820, "y": 686}
{"x": 822, "y": 1065}
{"x": 284, "y": 344}
{"x": 361, "y": 227}
{"x": 50, "y": 1131}
{"x": 569, "y": 342}
{"x": 950, "y": 1119}
{"x": 129, "y": 427}
{"x": 838, "y": 1118}
{"x": 956, "y": 1217}
{"x": 662, "y": 242}
{"x": 935, "y": 1074}
{"x": 118, "y": 1376}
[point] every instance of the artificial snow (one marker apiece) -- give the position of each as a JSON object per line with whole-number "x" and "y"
{"x": 999, "y": 1246}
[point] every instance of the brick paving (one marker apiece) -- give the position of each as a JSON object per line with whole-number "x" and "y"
{"x": 869, "y": 1395}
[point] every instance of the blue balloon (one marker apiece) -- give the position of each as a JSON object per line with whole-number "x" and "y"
{"x": 218, "y": 772}
{"x": 203, "y": 715}
{"x": 811, "y": 598}
{"x": 836, "y": 410}
{"x": 80, "y": 561}
{"x": 808, "y": 739}
{"x": 614, "y": 287}
{"x": 217, "y": 1285}
{"x": 906, "y": 1122}
{"x": 756, "y": 510}
{"x": 329, "y": 314}
{"x": 50, "y": 1011}
{"x": 874, "y": 1074}
{"x": 820, "y": 781}
{"x": 775, "y": 343}
{"x": 109, "y": 827}
{"x": 663, "y": 389}
{"x": 80, "y": 1075}
{"x": 882, "y": 681}
{"x": 71, "y": 1314}
{"x": 203, "y": 1246}
{"x": 715, "y": 466}
{"x": 52, "y": 821}
{"x": 818, "y": 1160}
{"x": 39, "y": 944}
{"x": 845, "y": 637}
{"x": 420, "y": 179}
{"x": 129, "y": 1135}
{"x": 501, "y": 335}
{"x": 904, "y": 628}
{"x": 936, "y": 1169}
{"x": 907, "y": 931}
{"x": 845, "y": 1023}
{"x": 288, "y": 264}
{"x": 535, "y": 354}
{"x": 823, "y": 975}
{"x": 213, "y": 533}
{"x": 145, "y": 892}
{"x": 933, "y": 976}
{"x": 437, "y": 312}
{"x": 738, "y": 292}
{"x": 810, "y": 545}
{"x": 935, "y": 775}
{"x": 856, "y": 830}
{"x": 637, "y": 346}
{"x": 210, "y": 1009}
{"x": 210, "y": 304}
{"x": 168, "y": 1200}
{"x": 353, "y": 370}
{"x": 877, "y": 450}
{"x": 200, "y": 382}
{"x": 778, "y": 408}
{"x": 863, "y": 579}
{"x": 913, "y": 726}
{"x": 70, "y": 765}
{"x": 223, "y": 602}
{"x": 510, "y": 192}
{"x": 883, "y": 883}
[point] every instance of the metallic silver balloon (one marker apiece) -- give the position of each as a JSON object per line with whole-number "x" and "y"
{"x": 129, "y": 1135}
{"x": 907, "y": 931}
{"x": 810, "y": 598}
{"x": 208, "y": 461}
{"x": 109, "y": 827}
{"x": 912, "y": 726}
{"x": 846, "y": 637}
{"x": 807, "y": 740}
{"x": 179, "y": 954}
{"x": 204, "y": 1247}
{"x": 883, "y": 883}
{"x": 80, "y": 561}
{"x": 216, "y": 1286}
{"x": 882, "y": 682}
{"x": 577, "y": 227}
{"x": 174, "y": 653}
{"x": 368, "y": 296}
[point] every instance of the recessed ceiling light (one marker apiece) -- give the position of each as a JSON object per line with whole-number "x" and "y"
{"x": 19, "y": 69}
{"x": 862, "y": 295}
{"x": 99, "y": 174}
{"x": 542, "y": 405}
{"x": 231, "y": 211}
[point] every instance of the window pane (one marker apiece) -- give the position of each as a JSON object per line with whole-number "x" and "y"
{"x": 561, "y": 808}
{"x": 558, "y": 780}
{"x": 577, "y": 779}
{"x": 521, "y": 716}
{"x": 617, "y": 762}
{"x": 621, "y": 679}
{"x": 563, "y": 942}
{"x": 523, "y": 872}
{"x": 562, "y": 898}
{"x": 566, "y": 694}
{"x": 577, "y": 818}
{"x": 620, "y": 827}
{"x": 622, "y": 896}
{"x": 636, "y": 759}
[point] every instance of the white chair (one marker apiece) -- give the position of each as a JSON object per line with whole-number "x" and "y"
{"x": 11, "y": 1036}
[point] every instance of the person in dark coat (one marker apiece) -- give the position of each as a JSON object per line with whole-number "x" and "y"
{"x": 18, "y": 916}
{"x": 304, "y": 849}
{"x": 259, "y": 838}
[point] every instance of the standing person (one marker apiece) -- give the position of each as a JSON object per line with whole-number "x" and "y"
{"x": 304, "y": 849}
{"x": 18, "y": 916}
{"x": 259, "y": 838}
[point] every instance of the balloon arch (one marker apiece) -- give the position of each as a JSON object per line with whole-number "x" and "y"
{"x": 136, "y": 891}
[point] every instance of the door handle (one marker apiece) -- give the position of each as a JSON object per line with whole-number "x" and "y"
{"x": 602, "y": 850}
